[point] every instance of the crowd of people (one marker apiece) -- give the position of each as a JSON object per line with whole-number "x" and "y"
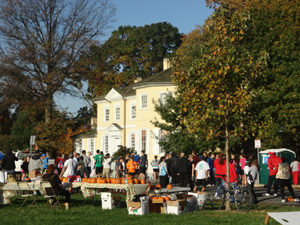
{"x": 193, "y": 171}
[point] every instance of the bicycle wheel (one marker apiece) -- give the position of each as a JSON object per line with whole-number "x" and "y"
{"x": 217, "y": 197}
{"x": 243, "y": 199}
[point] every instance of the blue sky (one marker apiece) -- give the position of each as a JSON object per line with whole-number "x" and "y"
{"x": 183, "y": 14}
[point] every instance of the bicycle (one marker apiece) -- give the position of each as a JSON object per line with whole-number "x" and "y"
{"x": 240, "y": 195}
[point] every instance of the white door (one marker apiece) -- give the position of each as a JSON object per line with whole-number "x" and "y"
{"x": 115, "y": 142}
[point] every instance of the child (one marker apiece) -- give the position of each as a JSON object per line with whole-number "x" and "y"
{"x": 80, "y": 171}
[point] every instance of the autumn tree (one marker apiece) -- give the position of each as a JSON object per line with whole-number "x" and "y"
{"x": 130, "y": 52}
{"x": 42, "y": 40}
{"x": 215, "y": 83}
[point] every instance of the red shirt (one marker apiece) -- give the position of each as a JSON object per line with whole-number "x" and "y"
{"x": 273, "y": 162}
{"x": 232, "y": 173}
{"x": 219, "y": 168}
{"x": 196, "y": 159}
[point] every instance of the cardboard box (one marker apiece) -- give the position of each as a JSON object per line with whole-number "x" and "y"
{"x": 176, "y": 207}
{"x": 139, "y": 208}
{"x": 201, "y": 198}
{"x": 109, "y": 201}
{"x": 158, "y": 206}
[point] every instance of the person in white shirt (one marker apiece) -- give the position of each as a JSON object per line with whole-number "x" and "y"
{"x": 246, "y": 171}
{"x": 106, "y": 166}
{"x": 202, "y": 171}
{"x": 69, "y": 167}
{"x": 295, "y": 171}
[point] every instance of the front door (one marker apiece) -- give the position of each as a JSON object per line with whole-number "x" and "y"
{"x": 116, "y": 141}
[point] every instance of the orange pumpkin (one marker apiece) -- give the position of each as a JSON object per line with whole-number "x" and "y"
{"x": 129, "y": 176}
{"x": 161, "y": 198}
{"x": 93, "y": 180}
{"x": 102, "y": 181}
{"x": 143, "y": 181}
{"x": 169, "y": 186}
{"x": 167, "y": 198}
{"x": 154, "y": 198}
{"x": 108, "y": 181}
{"x": 136, "y": 181}
{"x": 61, "y": 179}
{"x": 158, "y": 186}
{"x": 130, "y": 181}
{"x": 123, "y": 181}
{"x": 117, "y": 181}
{"x": 98, "y": 180}
{"x": 65, "y": 179}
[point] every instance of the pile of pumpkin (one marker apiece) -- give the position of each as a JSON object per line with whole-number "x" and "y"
{"x": 164, "y": 199}
{"x": 113, "y": 181}
{"x": 158, "y": 186}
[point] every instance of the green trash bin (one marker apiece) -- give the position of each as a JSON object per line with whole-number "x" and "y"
{"x": 263, "y": 161}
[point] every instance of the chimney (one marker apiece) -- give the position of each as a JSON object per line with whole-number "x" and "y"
{"x": 166, "y": 64}
{"x": 138, "y": 79}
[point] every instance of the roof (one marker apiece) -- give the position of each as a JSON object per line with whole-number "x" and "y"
{"x": 277, "y": 150}
{"x": 86, "y": 134}
{"x": 126, "y": 92}
{"x": 163, "y": 77}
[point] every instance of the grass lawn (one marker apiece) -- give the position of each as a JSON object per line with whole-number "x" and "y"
{"x": 88, "y": 214}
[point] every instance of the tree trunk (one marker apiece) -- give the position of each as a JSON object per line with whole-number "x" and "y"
{"x": 227, "y": 162}
{"x": 48, "y": 110}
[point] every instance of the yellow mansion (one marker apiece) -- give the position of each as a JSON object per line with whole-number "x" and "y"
{"x": 124, "y": 117}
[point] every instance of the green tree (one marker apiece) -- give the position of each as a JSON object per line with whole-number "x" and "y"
{"x": 274, "y": 28}
{"x": 215, "y": 84}
{"x": 24, "y": 127}
{"x": 174, "y": 135}
{"x": 129, "y": 52}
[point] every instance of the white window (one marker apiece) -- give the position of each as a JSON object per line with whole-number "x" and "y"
{"x": 162, "y": 137}
{"x": 92, "y": 147}
{"x": 80, "y": 145}
{"x": 144, "y": 101}
{"x": 144, "y": 140}
{"x": 133, "y": 112}
{"x": 106, "y": 144}
{"x": 106, "y": 115}
{"x": 132, "y": 141}
{"x": 162, "y": 97}
{"x": 117, "y": 113}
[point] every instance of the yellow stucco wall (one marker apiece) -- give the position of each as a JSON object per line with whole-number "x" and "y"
{"x": 141, "y": 122}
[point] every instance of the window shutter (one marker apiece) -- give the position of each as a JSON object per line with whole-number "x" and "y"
{"x": 102, "y": 143}
{"x": 148, "y": 142}
{"x": 137, "y": 141}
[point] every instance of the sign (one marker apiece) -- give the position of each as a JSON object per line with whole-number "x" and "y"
{"x": 265, "y": 159}
{"x": 32, "y": 140}
{"x": 257, "y": 144}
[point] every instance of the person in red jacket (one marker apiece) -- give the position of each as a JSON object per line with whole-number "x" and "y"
{"x": 219, "y": 165}
{"x": 232, "y": 173}
{"x": 273, "y": 162}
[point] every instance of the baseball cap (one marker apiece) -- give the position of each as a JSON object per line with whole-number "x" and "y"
{"x": 43, "y": 155}
{"x": 134, "y": 152}
{"x": 271, "y": 153}
{"x": 37, "y": 151}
